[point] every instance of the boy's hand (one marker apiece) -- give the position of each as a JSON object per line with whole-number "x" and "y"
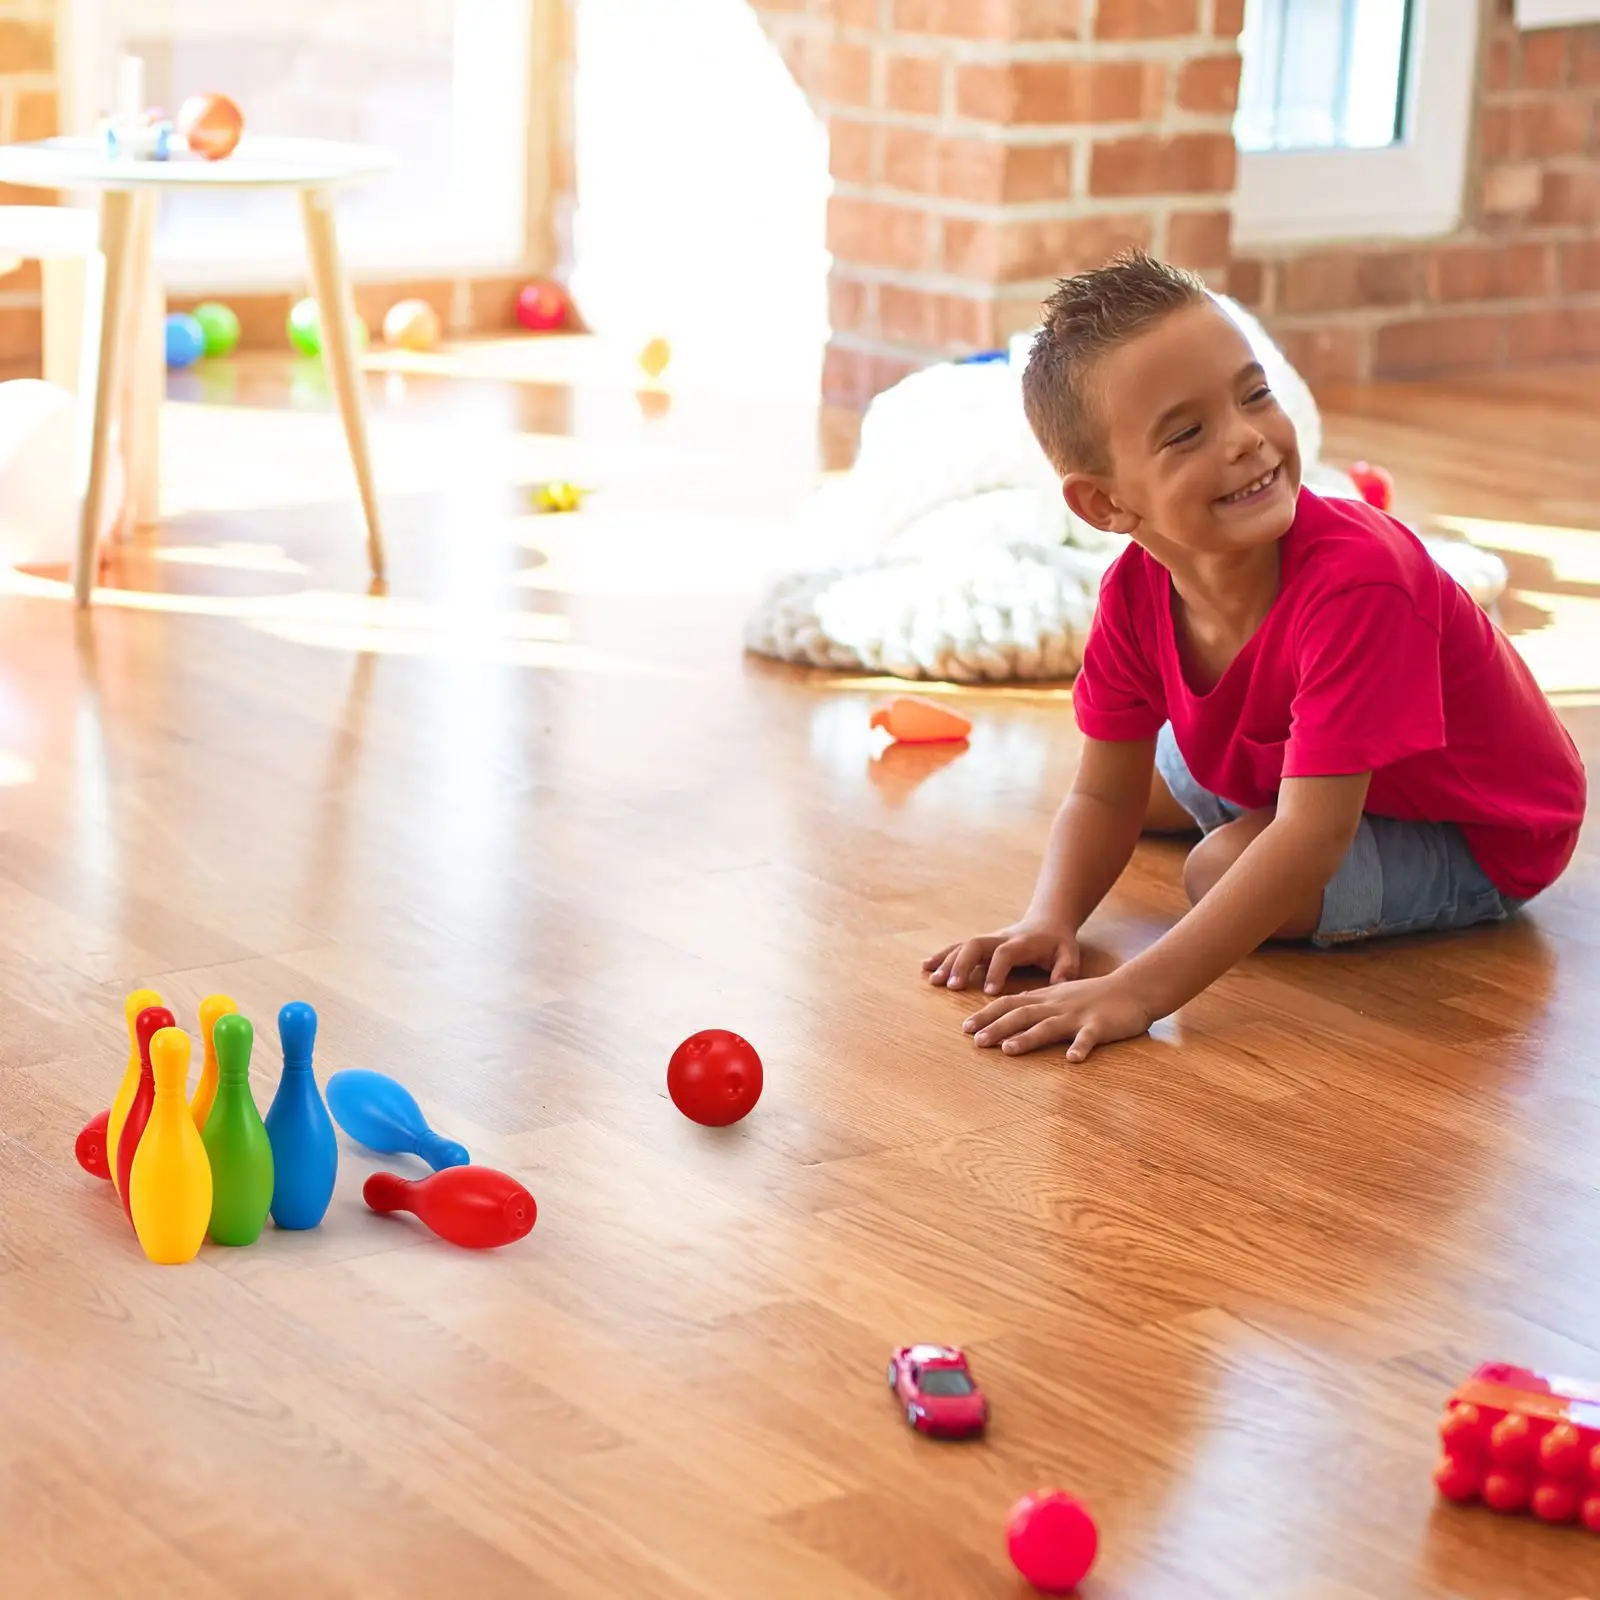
{"x": 1051, "y": 947}
{"x": 1093, "y": 1011}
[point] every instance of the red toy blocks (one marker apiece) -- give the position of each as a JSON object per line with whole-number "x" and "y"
{"x": 1523, "y": 1441}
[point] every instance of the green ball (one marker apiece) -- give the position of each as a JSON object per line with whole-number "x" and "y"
{"x": 220, "y": 326}
{"x": 305, "y": 329}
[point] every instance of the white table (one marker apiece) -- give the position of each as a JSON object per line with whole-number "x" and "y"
{"x": 129, "y": 194}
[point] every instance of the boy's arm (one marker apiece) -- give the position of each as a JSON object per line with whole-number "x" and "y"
{"x": 1283, "y": 867}
{"x": 1095, "y": 831}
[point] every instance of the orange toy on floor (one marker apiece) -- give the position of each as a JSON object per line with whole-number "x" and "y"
{"x": 908, "y": 720}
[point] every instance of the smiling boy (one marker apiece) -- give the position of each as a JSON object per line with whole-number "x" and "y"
{"x": 1362, "y": 749}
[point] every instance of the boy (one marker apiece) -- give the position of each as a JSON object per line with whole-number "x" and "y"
{"x": 1364, "y": 752}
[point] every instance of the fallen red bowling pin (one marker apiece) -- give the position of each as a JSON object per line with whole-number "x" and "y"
{"x": 474, "y": 1207}
{"x": 91, "y": 1146}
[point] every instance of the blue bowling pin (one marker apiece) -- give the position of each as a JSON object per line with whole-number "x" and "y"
{"x": 305, "y": 1151}
{"x": 380, "y": 1113}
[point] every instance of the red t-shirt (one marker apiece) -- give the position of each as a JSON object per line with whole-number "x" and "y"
{"x": 1373, "y": 659}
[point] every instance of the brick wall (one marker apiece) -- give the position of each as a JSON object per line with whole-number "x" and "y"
{"x": 27, "y": 111}
{"x": 980, "y": 148}
{"x": 1518, "y": 283}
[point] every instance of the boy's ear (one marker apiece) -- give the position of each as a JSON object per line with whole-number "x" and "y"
{"x": 1089, "y": 498}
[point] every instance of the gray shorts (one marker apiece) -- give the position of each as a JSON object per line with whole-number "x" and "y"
{"x": 1398, "y": 877}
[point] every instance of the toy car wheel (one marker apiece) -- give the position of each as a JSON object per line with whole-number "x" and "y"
{"x": 894, "y": 1376}
{"x": 911, "y": 1415}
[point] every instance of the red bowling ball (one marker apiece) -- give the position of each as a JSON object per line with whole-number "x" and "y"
{"x": 714, "y": 1077}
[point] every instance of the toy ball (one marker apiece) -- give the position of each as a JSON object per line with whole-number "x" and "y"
{"x": 411, "y": 325}
{"x": 655, "y": 357}
{"x": 305, "y": 328}
{"x": 1375, "y": 484}
{"x": 543, "y": 306}
{"x": 220, "y": 327}
{"x": 186, "y": 340}
{"x": 714, "y": 1078}
{"x": 1052, "y": 1540}
{"x": 211, "y": 124}
{"x": 558, "y": 496}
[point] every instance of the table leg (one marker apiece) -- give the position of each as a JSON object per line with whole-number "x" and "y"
{"x": 339, "y": 351}
{"x": 98, "y": 406}
{"x": 144, "y": 370}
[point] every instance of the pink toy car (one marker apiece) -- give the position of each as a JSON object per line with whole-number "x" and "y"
{"x": 935, "y": 1385}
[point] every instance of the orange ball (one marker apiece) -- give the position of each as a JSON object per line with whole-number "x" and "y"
{"x": 211, "y": 124}
{"x": 411, "y": 325}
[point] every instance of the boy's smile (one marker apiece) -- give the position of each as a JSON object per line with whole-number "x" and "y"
{"x": 1200, "y": 455}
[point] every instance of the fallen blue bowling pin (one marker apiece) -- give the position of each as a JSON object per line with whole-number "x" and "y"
{"x": 381, "y": 1114}
{"x": 305, "y": 1150}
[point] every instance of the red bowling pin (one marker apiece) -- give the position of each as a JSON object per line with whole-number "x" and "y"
{"x": 91, "y": 1146}
{"x": 474, "y": 1207}
{"x": 150, "y": 1022}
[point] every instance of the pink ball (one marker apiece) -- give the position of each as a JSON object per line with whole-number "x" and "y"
{"x": 543, "y": 306}
{"x": 1052, "y": 1540}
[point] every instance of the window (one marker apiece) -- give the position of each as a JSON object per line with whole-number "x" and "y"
{"x": 444, "y": 84}
{"x": 1354, "y": 118}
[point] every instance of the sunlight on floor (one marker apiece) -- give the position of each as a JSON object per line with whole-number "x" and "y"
{"x": 16, "y": 770}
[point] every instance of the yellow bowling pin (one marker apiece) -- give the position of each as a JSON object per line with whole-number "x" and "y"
{"x": 205, "y": 1094}
{"x": 132, "y": 1006}
{"x": 171, "y": 1178}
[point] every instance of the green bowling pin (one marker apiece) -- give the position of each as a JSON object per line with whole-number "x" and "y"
{"x": 236, "y": 1141}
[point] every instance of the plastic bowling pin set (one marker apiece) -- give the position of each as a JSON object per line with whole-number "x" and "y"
{"x": 184, "y": 1166}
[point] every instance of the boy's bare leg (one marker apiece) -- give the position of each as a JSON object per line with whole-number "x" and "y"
{"x": 1164, "y": 814}
{"x": 1211, "y": 858}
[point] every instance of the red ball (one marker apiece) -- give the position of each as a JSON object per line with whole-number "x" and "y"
{"x": 1374, "y": 483}
{"x": 1052, "y": 1540}
{"x": 714, "y": 1077}
{"x": 542, "y": 306}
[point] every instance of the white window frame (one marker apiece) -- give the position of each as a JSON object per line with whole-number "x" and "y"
{"x": 90, "y": 52}
{"x": 1411, "y": 190}
{"x": 1556, "y": 13}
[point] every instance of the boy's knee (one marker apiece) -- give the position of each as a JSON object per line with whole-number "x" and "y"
{"x": 1205, "y": 864}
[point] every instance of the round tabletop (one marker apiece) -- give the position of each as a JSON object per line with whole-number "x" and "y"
{"x": 82, "y": 163}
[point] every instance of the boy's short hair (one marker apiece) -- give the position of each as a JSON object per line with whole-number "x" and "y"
{"x": 1089, "y": 314}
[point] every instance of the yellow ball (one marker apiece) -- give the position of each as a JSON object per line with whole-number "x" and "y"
{"x": 558, "y": 496}
{"x": 655, "y": 356}
{"x": 411, "y": 325}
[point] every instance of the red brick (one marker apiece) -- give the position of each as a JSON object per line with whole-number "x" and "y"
{"x": 972, "y": 169}
{"x": 911, "y": 160}
{"x": 1512, "y": 189}
{"x": 1585, "y": 64}
{"x": 26, "y": 46}
{"x": 1037, "y": 247}
{"x": 1185, "y": 163}
{"x": 852, "y": 150}
{"x": 1146, "y": 19}
{"x": 1497, "y": 71}
{"x": 35, "y": 115}
{"x": 850, "y": 13}
{"x": 846, "y": 78}
{"x": 915, "y": 83}
{"x": 1580, "y": 266}
{"x": 1570, "y": 333}
{"x": 1038, "y": 172}
{"x": 1438, "y": 344}
{"x": 871, "y": 234}
{"x": 1492, "y": 272}
{"x": 1554, "y": 126}
{"x": 1544, "y": 59}
{"x": 1569, "y": 197}
{"x": 990, "y": 19}
{"x": 847, "y": 376}
{"x": 1327, "y": 355}
{"x": 1062, "y": 91}
{"x": 1228, "y": 19}
{"x": 935, "y": 321}
{"x": 850, "y": 305}
{"x": 1209, "y": 83}
{"x": 1247, "y": 282}
{"x": 1349, "y": 280}
{"x": 1494, "y": 133}
{"x": 1199, "y": 238}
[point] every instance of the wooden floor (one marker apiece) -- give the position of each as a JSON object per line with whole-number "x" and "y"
{"x": 521, "y": 825}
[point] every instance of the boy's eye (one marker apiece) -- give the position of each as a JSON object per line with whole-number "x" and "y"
{"x": 1257, "y": 395}
{"x": 1182, "y": 437}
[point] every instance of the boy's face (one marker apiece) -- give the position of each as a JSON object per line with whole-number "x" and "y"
{"x": 1201, "y": 454}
